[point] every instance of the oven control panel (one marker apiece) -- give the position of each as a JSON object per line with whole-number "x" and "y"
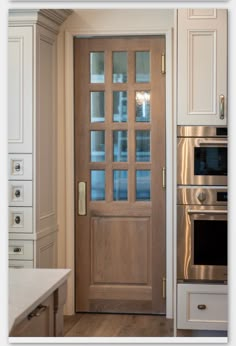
{"x": 202, "y": 195}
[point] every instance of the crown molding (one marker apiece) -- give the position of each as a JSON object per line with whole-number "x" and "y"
{"x": 48, "y": 18}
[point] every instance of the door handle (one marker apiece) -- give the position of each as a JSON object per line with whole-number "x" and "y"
{"x": 213, "y": 142}
{"x": 206, "y": 211}
{"x": 222, "y": 107}
{"x": 82, "y": 198}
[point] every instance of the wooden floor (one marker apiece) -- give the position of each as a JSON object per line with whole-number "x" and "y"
{"x": 117, "y": 325}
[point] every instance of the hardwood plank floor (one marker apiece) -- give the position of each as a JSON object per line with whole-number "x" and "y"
{"x": 117, "y": 325}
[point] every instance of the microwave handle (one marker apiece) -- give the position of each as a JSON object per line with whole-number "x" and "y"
{"x": 205, "y": 211}
{"x": 211, "y": 142}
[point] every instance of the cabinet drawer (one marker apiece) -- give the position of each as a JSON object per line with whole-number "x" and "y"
{"x": 20, "y": 193}
{"x": 20, "y": 264}
{"x": 202, "y": 307}
{"x": 20, "y": 167}
{"x": 20, "y": 249}
{"x": 20, "y": 220}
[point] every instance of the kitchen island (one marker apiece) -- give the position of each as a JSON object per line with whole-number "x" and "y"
{"x": 36, "y": 300}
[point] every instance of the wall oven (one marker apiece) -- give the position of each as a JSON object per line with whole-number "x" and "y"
{"x": 202, "y": 234}
{"x": 202, "y": 155}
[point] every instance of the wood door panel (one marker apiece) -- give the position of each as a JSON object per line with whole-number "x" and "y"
{"x": 120, "y": 240}
{"x": 121, "y": 250}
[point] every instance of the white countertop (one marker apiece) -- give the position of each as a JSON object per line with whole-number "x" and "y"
{"x": 29, "y": 287}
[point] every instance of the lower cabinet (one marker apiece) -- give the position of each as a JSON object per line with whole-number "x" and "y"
{"x": 39, "y": 322}
{"x": 202, "y": 306}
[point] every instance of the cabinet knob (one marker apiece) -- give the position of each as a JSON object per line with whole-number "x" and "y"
{"x": 17, "y": 220}
{"x": 17, "y": 167}
{"x": 17, "y": 249}
{"x": 201, "y": 307}
{"x": 17, "y": 193}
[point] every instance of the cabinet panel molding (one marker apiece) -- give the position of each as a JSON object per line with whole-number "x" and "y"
{"x": 202, "y": 49}
{"x": 20, "y": 89}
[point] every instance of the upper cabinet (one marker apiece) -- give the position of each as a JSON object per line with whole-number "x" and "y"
{"x": 202, "y": 67}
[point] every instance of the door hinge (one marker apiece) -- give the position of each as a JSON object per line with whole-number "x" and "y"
{"x": 164, "y": 287}
{"x": 163, "y": 63}
{"x": 163, "y": 177}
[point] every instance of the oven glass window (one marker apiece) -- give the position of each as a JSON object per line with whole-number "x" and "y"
{"x": 210, "y": 242}
{"x": 210, "y": 161}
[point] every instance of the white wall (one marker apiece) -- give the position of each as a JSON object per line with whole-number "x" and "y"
{"x": 89, "y": 23}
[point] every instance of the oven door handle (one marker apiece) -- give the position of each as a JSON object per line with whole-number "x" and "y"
{"x": 213, "y": 212}
{"x": 212, "y": 142}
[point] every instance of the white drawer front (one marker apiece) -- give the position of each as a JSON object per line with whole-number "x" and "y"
{"x": 202, "y": 306}
{"x": 207, "y": 307}
{"x": 20, "y": 167}
{"x": 20, "y": 220}
{"x": 20, "y": 193}
{"x": 20, "y": 249}
{"x": 21, "y": 264}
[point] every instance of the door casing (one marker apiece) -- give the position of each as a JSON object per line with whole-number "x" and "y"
{"x": 68, "y": 113}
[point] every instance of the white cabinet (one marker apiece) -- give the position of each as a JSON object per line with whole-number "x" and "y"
{"x": 32, "y": 142}
{"x": 202, "y": 67}
{"x": 202, "y": 306}
{"x": 20, "y": 89}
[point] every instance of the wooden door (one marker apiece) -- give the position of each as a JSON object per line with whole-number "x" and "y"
{"x": 119, "y": 160}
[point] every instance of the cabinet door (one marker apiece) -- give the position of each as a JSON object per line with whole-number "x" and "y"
{"x": 39, "y": 323}
{"x": 202, "y": 67}
{"x": 20, "y": 89}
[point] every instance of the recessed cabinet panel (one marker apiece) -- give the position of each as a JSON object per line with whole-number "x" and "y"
{"x": 202, "y": 67}
{"x": 20, "y": 193}
{"x": 20, "y": 167}
{"x": 20, "y": 264}
{"x": 20, "y": 249}
{"x": 20, "y": 220}
{"x": 20, "y": 89}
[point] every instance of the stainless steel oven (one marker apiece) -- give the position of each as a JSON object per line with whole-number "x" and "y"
{"x": 202, "y": 234}
{"x": 202, "y": 155}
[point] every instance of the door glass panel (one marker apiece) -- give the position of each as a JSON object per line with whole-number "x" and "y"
{"x": 142, "y": 99}
{"x": 120, "y": 185}
{"x": 210, "y": 242}
{"x": 97, "y": 67}
{"x": 143, "y": 185}
{"x": 119, "y": 106}
{"x": 142, "y": 60}
{"x": 120, "y": 146}
{"x": 119, "y": 67}
{"x": 97, "y": 110}
{"x": 97, "y": 179}
{"x": 97, "y": 146}
{"x": 210, "y": 161}
{"x": 142, "y": 146}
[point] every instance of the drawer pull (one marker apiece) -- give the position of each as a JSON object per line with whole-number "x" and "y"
{"x": 17, "y": 167}
{"x": 201, "y": 307}
{"x": 37, "y": 312}
{"x": 17, "y": 193}
{"x": 17, "y": 249}
{"x": 17, "y": 220}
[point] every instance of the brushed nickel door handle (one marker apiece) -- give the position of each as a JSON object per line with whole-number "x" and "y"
{"x": 222, "y": 107}
{"x": 82, "y": 198}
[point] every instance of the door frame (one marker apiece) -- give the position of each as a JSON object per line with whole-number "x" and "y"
{"x": 170, "y": 156}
